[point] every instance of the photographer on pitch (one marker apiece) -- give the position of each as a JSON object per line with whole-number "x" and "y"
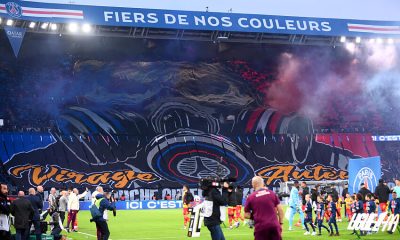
{"x": 103, "y": 202}
{"x": 213, "y": 201}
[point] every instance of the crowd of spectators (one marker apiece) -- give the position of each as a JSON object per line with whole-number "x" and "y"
{"x": 31, "y": 217}
{"x": 390, "y": 159}
{"x": 20, "y": 96}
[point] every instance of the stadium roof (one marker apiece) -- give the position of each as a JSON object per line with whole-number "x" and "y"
{"x": 255, "y": 21}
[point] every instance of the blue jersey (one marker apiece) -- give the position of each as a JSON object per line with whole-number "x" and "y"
{"x": 359, "y": 205}
{"x": 308, "y": 210}
{"x": 320, "y": 210}
{"x": 371, "y": 206}
{"x": 394, "y": 206}
{"x": 294, "y": 199}
{"x": 332, "y": 209}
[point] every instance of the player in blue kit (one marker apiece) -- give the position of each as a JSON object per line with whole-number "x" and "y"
{"x": 320, "y": 215}
{"x": 308, "y": 216}
{"x": 332, "y": 215}
{"x": 370, "y": 205}
{"x": 359, "y": 204}
{"x": 358, "y": 207}
{"x": 394, "y": 204}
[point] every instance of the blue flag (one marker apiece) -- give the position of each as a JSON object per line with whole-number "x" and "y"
{"x": 15, "y": 36}
{"x": 364, "y": 170}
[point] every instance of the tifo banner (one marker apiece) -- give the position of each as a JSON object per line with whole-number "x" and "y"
{"x": 158, "y": 124}
{"x": 15, "y": 36}
{"x": 204, "y": 17}
{"x": 366, "y": 171}
{"x": 171, "y": 160}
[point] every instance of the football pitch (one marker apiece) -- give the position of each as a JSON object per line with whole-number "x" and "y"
{"x": 168, "y": 224}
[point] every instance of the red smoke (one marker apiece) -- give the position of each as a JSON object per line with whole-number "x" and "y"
{"x": 335, "y": 87}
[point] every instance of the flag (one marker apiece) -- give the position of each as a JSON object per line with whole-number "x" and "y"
{"x": 15, "y": 36}
{"x": 364, "y": 170}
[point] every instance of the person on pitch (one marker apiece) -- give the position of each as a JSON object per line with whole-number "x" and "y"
{"x": 394, "y": 204}
{"x": 103, "y": 202}
{"x": 37, "y": 205}
{"x": 23, "y": 213}
{"x": 320, "y": 215}
{"x": 364, "y": 191}
{"x": 397, "y": 188}
{"x": 264, "y": 207}
{"x": 187, "y": 199}
{"x": 339, "y": 208}
{"x": 295, "y": 205}
{"x": 239, "y": 200}
{"x": 232, "y": 207}
{"x": 214, "y": 201}
{"x": 4, "y": 213}
{"x": 73, "y": 208}
{"x": 333, "y": 213}
{"x": 382, "y": 191}
{"x": 358, "y": 206}
{"x": 308, "y": 215}
{"x": 370, "y": 204}
{"x": 348, "y": 202}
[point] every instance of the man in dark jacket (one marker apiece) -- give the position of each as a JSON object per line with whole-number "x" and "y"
{"x": 102, "y": 202}
{"x": 315, "y": 193}
{"x": 345, "y": 191}
{"x": 40, "y": 195}
{"x": 212, "y": 217}
{"x": 4, "y": 213}
{"x": 382, "y": 192}
{"x": 364, "y": 191}
{"x": 37, "y": 206}
{"x": 305, "y": 191}
{"x": 22, "y": 211}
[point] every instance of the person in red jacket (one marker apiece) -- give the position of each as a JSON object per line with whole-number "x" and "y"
{"x": 264, "y": 207}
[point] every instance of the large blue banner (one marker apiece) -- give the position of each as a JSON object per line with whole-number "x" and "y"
{"x": 136, "y": 205}
{"x": 195, "y": 20}
{"x": 364, "y": 170}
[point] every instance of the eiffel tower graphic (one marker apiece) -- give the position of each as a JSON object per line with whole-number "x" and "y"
{"x": 201, "y": 167}
{"x": 366, "y": 182}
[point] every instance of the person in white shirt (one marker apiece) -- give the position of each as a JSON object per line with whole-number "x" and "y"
{"x": 52, "y": 200}
{"x": 73, "y": 207}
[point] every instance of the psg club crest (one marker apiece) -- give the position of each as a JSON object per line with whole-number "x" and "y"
{"x": 366, "y": 176}
{"x": 13, "y": 9}
{"x": 188, "y": 158}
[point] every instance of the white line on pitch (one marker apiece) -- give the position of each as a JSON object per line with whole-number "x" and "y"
{"x": 148, "y": 238}
{"x": 171, "y": 237}
{"x": 90, "y": 235}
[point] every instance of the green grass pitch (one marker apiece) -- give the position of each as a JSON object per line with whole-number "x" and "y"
{"x": 168, "y": 224}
